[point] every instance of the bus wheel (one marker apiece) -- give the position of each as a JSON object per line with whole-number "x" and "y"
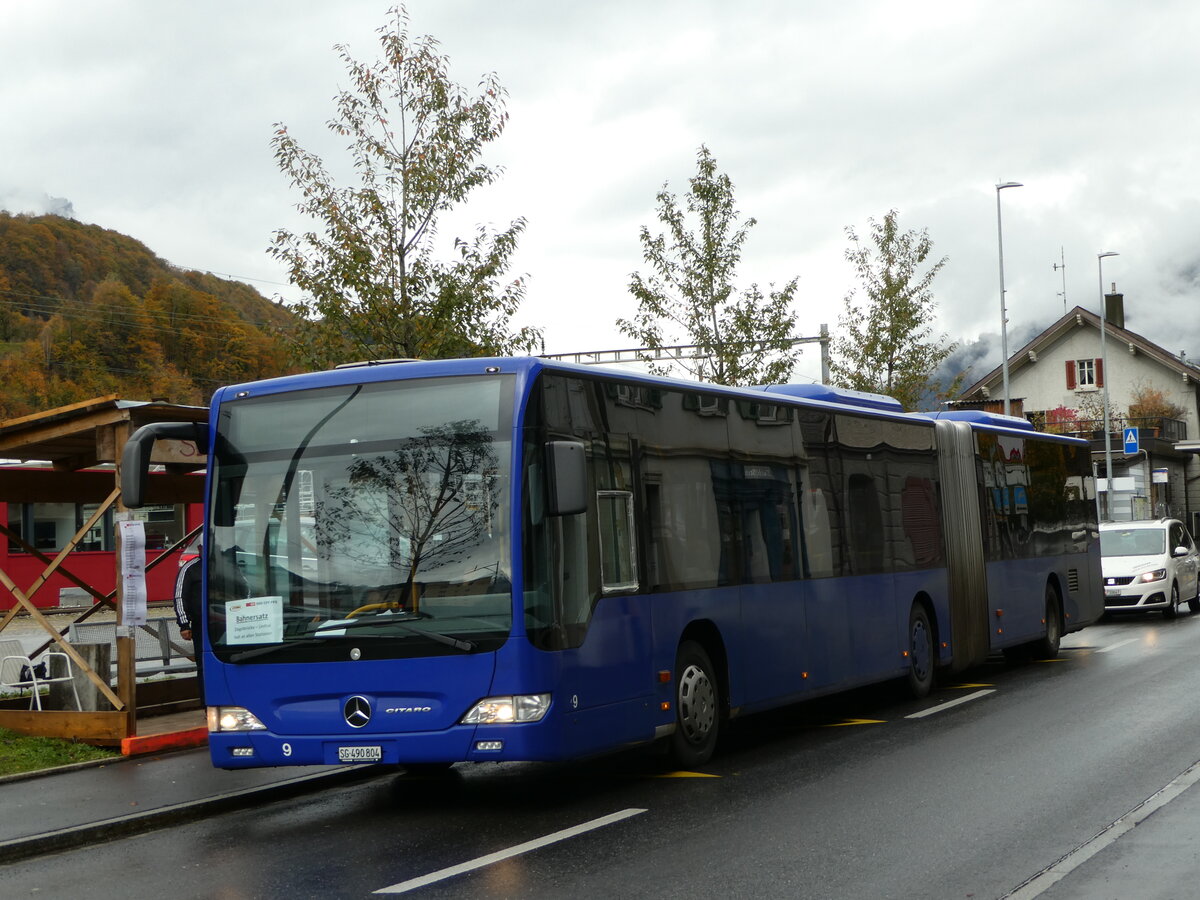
{"x": 920, "y": 652}
{"x": 1172, "y": 609}
{"x": 1047, "y": 647}
{"x": 697, "y": 706}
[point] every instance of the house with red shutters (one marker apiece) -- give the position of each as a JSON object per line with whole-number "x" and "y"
{"x": 1060, "y": 381}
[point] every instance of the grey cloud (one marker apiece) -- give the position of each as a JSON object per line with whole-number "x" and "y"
{"x": 37, "y": 204}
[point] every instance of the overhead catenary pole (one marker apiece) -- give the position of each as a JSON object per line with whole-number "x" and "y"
{"x": 687, "y": 351}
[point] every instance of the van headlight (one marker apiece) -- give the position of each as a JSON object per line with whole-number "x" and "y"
{"x": 1156, "y": 575}
{"x": 233, "y": 718}
{"x": 499, "y": 710}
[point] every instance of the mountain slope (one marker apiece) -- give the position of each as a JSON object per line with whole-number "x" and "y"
{"x": 86, "y": 311}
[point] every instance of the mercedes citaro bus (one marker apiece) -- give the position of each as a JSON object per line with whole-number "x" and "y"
{"x": 422, "y": 563}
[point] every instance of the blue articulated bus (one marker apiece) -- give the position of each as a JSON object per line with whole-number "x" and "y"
{"x": 422, "y": 563}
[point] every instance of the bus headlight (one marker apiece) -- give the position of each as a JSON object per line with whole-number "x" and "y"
{"x": 233, "y": 718}
{"x": 498, "y": 710}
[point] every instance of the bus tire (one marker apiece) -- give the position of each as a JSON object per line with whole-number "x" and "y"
{"x": 920, "y": 652}
{"x": 697, "y": 706}
{"x": 1047, "y": 647}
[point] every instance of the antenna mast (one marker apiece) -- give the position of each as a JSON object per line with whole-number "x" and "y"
{"x": 1062, "y": 267}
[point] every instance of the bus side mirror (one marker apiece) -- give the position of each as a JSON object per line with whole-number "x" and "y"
{"x": 566, "y": 487}
{"x": 135, "y": 458}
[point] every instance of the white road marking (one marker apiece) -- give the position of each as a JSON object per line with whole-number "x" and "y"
{"x": 1118, "y": 644}
{"x": 1047, "y": 878}
{"x": 945, "y": 706}
{"x": 535, "y": 844}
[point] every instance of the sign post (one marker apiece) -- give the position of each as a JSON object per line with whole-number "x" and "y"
{"x": 1131, "y": 441}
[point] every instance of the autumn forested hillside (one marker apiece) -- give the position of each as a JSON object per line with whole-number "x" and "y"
{"x": 85, "y": 311}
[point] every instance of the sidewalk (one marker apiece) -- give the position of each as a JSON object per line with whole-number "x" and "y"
{"x": 60, "y": 809}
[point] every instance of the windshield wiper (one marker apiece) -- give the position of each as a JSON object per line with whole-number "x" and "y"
{"x": 317, "y": 638}
{"x": 286, "y": 645}
{"x": 399, "y": 621}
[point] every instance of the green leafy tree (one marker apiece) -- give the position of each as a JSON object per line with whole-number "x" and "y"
{"x": 690, "y": 298}
{"x": 373, "y": 286}
{"x": 886, "y": 343}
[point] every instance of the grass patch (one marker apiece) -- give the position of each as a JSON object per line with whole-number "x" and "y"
{"x": 23, "y": 753}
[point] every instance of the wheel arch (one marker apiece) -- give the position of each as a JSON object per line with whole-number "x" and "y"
{"x": 922, "y": 599}
{"x": 1053, "y": 582}
{"x": 705, "y": 633}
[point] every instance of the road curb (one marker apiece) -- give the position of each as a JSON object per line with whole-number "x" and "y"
{"x": 122, "y": 826}
{"x": 161, "y": 743}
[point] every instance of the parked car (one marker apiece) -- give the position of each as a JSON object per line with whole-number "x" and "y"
{"x": 1149, "y": 565}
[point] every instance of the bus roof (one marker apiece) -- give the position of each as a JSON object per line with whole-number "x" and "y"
{"x": 823, "y": 395}
{"x": 980, "y": 417}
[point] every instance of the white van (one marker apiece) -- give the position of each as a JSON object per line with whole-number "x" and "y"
{"x": 1149, "y": 565}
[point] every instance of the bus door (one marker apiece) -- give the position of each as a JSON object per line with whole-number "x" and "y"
{"x": 582, "y": 601}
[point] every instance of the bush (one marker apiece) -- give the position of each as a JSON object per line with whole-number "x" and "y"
{"x": 1151, "y": 403}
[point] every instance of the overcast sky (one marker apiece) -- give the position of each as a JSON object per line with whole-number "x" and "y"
{"x": 154, "y": 119}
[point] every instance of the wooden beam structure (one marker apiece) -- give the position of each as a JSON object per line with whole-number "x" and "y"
{"x": 65, "y": 440}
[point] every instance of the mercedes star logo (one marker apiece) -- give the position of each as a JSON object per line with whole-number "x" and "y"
{"x": 357, "y": 711}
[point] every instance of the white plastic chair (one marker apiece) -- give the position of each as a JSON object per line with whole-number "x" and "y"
{"x": 14, "y": 664}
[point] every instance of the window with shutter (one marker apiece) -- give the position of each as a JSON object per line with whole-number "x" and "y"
{"x": 1085, "y": 373}
{"x": 1070, "y": 374}
{"x": 1099, "y": 372}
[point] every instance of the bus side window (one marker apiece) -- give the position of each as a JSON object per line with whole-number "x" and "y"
{"x": 866, "y": 525}
{"x": 817, "y": 533}
{"x": 618, "y": 555}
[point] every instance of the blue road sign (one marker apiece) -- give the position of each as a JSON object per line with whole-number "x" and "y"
{"x": 1131, "y": 440}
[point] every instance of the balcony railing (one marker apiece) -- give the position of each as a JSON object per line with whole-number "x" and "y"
{"x": 1093, "y": 429}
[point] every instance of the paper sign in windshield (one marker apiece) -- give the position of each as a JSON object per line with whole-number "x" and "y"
{"x": 257, "y": 620}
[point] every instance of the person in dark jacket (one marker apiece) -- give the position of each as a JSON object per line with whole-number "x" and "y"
{"x": 188, "y": 611}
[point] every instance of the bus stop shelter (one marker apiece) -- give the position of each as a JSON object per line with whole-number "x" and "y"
{"x": 78, "y": 450}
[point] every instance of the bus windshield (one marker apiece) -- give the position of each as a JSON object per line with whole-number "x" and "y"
{"x": 371, "y": 517}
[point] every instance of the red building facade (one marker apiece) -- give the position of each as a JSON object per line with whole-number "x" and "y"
{"x": 49, "y": 527}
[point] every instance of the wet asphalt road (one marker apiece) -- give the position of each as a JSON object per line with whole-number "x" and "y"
{"x": 970, "y": 793}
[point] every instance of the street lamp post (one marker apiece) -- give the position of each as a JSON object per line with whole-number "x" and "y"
{"x": 1108, "y": 485}
{"x": 1003, "y": 310}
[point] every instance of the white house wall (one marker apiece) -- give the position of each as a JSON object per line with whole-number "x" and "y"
{"x": 1042, "y": 385}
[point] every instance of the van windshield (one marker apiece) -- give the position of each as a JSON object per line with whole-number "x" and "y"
{"x": 1133, "y": 542}
{"x": 375, "y": 514}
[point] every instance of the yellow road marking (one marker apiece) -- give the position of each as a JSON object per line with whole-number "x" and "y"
{"x": 855, "y": 722}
